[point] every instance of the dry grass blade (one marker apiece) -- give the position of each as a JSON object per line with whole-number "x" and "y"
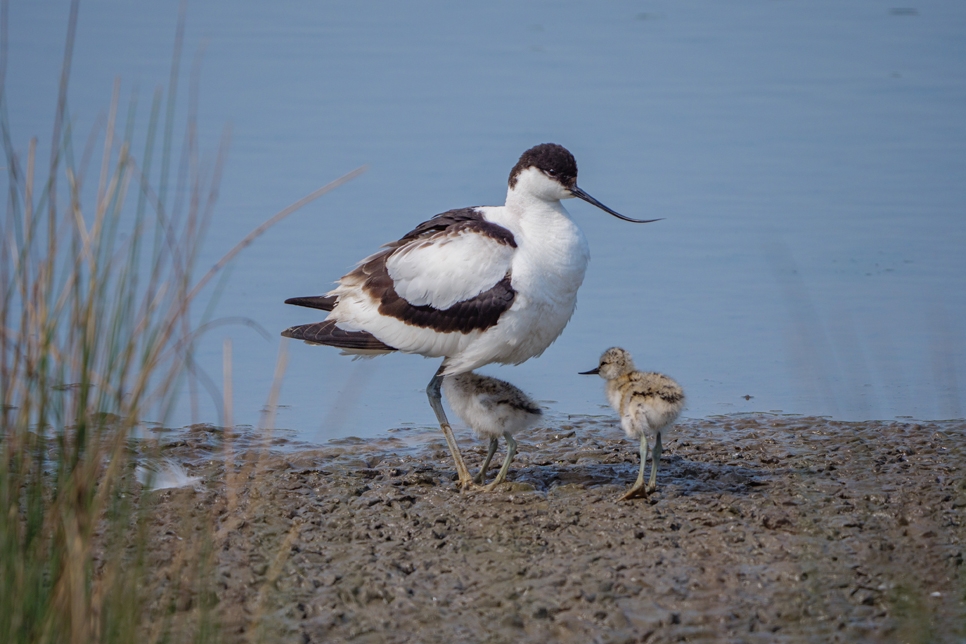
{"x": 258, "y": 232}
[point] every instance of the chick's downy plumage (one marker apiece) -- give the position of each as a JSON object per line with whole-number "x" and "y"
{"x": 492, "y": 408}
{"x": 648, "y": 403}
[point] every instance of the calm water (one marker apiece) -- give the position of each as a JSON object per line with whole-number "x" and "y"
{"x": 809, "y": 160}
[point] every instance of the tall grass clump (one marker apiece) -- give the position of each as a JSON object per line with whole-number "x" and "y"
{"x": 96, "y": 332}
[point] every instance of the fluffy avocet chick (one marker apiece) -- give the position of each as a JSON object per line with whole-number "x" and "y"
{"x": 647, "y": 402}
{"x": 492, "y": 408}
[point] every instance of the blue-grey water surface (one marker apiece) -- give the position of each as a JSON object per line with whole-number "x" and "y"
{"x": 808, "y": 159}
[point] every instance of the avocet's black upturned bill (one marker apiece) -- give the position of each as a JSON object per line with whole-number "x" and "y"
{"x": 471, "y": 286}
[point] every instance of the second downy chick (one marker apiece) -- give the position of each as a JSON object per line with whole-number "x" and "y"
{"x": 492, "y": 408}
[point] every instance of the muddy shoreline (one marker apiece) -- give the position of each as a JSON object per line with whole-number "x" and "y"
{"x": 764, "y": 528}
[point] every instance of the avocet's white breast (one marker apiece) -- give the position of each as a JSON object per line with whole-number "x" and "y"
{"x": 547, "y": 268}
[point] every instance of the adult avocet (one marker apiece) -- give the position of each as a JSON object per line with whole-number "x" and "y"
{"x": 472, "y": 286}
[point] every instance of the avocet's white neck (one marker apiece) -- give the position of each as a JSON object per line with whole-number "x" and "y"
{"x": 535, "y": 192}
{"x": 552, "y": 252}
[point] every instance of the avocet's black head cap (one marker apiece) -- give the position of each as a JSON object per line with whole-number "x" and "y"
{"x": 556, "y": 162}
{"x": 553, "y": 160}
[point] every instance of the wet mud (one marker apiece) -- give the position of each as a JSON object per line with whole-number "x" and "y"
{"x": 763, "y": 529}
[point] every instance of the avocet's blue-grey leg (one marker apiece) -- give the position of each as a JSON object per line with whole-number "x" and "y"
{"x": 511, "y": 451}
{"x": 481, "y": 477}
{"x": 638, "y": 488}
{"x": 436, "y": 402}
{"x": 655, "y": 461}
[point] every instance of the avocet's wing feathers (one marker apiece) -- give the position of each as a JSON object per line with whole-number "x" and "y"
{"x": 451, "y": 258}
{"x": 427, "y": 292}
{"x": 326, "y": 332}
{"x": 323, "y": 302}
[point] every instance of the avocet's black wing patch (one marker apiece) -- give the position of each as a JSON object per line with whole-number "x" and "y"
{"x": 475, "y": 314}
{"x": 327, "y": 333}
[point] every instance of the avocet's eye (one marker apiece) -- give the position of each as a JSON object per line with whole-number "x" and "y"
{"x": 552, "y": 173}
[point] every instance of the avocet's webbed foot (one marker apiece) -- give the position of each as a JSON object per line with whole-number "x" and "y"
{"x": 638, "y": 490}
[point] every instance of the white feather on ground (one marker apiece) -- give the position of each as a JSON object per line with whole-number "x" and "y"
{"x": 165, "y": 474}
